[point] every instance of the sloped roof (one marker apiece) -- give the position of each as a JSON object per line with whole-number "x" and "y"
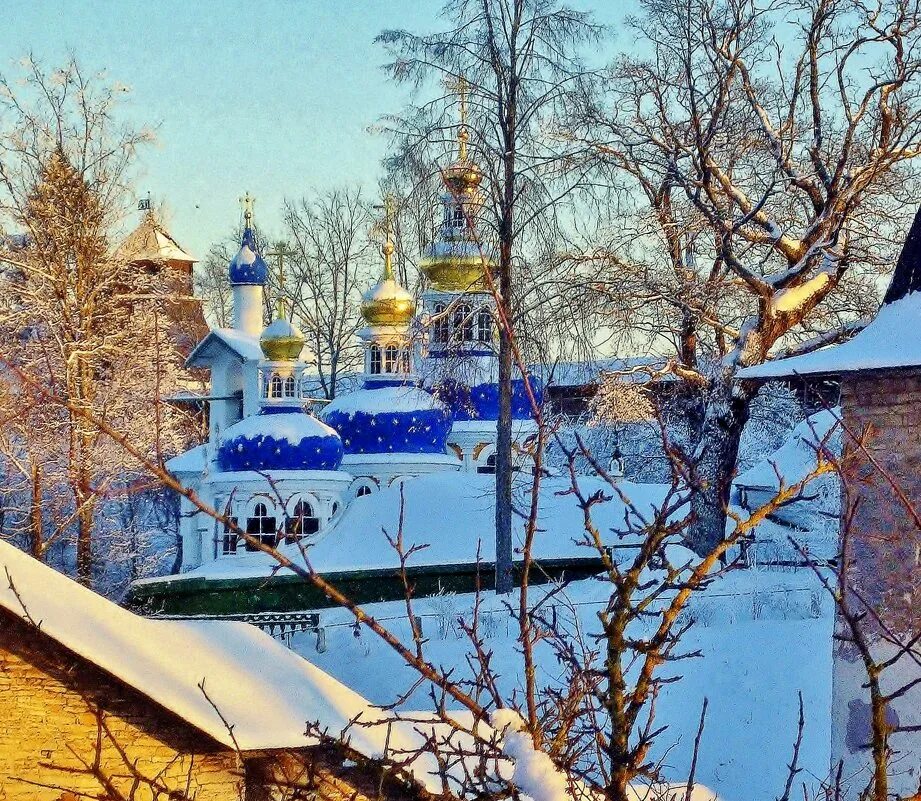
{"x": 246, "y": 346}
{"x": 891, "y": 340}
{"x": 357, "y": 540}
{"x": 150, "y": 241}
{"x": 793, "y": 461}
{"x": 265, "y": 691}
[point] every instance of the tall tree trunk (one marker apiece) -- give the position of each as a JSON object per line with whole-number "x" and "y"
{"x": 36, "y": 518}
{"x": 504, "y": 577}
{"x": 724, "y": 417}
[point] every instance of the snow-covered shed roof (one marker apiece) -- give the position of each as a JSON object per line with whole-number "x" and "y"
{"x": 798, "y": 456}
{"x": 191, "y": 461}
{"x": 891, "y": 340}
{"x": 150, "y": 241}
{"x": 264, "y": 690}
{"x": 244, "y": 345}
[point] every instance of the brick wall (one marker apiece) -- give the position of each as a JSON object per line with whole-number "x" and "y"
{"x": 49, "y": 726}
{"x": 885, "y": 539}
{"x": 885, "y": 409}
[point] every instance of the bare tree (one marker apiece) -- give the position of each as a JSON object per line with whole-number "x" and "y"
{"x": 74, "y": 312}
{"x": 759, "y": 180}
{"x": 518, "y": 59}
{"x": 333, "y": 262}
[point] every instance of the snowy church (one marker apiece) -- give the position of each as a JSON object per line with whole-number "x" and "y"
{"x": 417, "y": 441}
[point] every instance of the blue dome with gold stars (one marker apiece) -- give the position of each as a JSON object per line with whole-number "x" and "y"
{"x": 390, "y": 418}
{"x": 248, "y": 267}
{"x": 286, "y": 438}
{"x": 481, "y": 401}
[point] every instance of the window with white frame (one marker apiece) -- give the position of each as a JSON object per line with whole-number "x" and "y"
{"x": 463, "y": 323}
{"x": 302, "y": 522}
{"x": 261, "y": 525}
{"x": 484, "y": 325}
{"x": 391, "y": 359}
{"x": 229, "y": 538}
{"x": 441, "y": 329}
{"x": 374, "y": 359}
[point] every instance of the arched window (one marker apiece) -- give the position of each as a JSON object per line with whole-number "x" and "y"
{"x": 229, "y": 539}
{"x": 463, "y": 323}
{"x": 302, "y": 522}
{"x": 363, "y": 490}
{"x": 261, "y": 525}
{"x": 276, "y": 388}
{"x": 484, "y": 325}
{"x": 290, "y": 387}
{"x": 440, "y": 331}
{"x": 455, "y": 215}
{"x": 489, "y": 466}
{"x": 374, "y": 353}
{"x": 391, "y": 359}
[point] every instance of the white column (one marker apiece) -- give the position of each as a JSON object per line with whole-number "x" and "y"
{"x": 247, "y": 308}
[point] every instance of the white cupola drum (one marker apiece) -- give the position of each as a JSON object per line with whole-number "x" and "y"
{"x": 248, "y": 273}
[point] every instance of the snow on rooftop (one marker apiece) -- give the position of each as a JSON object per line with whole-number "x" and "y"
{"x": 891, "y": 340}
{"x": 797, "y": 457}
{"x": 267, "y": 692}
{"x": 151, "y": 242}
{"x": 244, "y": 345}
{"x": 192, "y": 461}
{"x": 383, "y": 399}
{"x": 433, "y": 517}
{"x": 632, "y": 369}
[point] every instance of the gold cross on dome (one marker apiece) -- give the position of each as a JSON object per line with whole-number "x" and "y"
{"x": 280, "y": 252}
{"x": 247, "y": 202}
{"x": 460, "y": 85}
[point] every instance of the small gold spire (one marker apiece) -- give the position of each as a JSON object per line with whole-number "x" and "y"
{"x": 387, "y": 303}
{"x": 387, "y": 248}
{"x": 460, "y": 85}
{"x": 248, "y": 201}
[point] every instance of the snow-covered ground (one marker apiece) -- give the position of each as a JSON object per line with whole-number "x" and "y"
{"x": 764, "y": 638}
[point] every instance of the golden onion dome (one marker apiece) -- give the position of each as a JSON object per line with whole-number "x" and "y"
{"x": 281, "y": 341}
{"x": 456, "y": 266}
{"x": 387, "y": 303}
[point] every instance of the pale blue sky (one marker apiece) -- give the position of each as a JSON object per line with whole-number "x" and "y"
{"x": 268, "y": 97}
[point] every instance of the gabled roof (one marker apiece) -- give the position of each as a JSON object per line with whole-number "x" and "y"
{"x": 891, "y": 340}
{"x": 150, "y": 241}
{"x": 246, "y": 346}
{"x": 265, "y": 691}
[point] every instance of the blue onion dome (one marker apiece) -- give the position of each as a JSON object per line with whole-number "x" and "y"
{"x": 481, "y": 401}
{"x": 400, "y": 418}
{"x": 282, "y": 439}
{"x": 248, "y": 267}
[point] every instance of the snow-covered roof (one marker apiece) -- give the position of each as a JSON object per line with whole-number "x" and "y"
{"x": 264, "y": 690}
{"x": 574, "y": 374}
{"x": 192, "y": 461}
{"x": 798, "y": 456}
{"x": 246, "y": 346}
{"x": 453, "y": 515}
{"x": 892, "y": 340}
{"x": 150, "y": 241}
